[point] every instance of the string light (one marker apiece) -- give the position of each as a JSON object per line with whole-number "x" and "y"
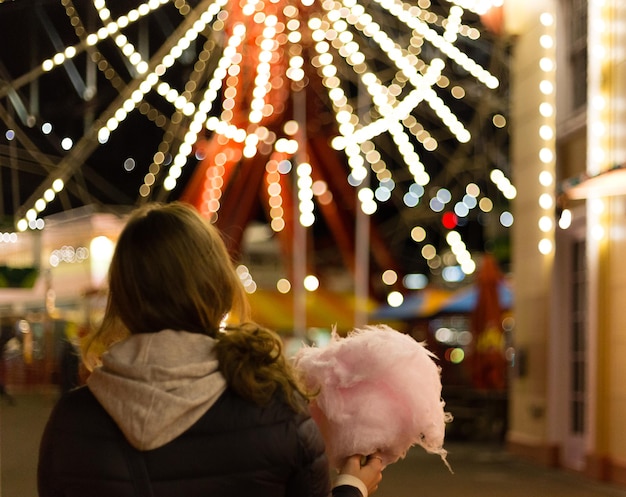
{"x": 305, "y": 194}
{"x": 275, "y": 194}
{"x": 338, "y": 31}
{"x": 459, "y": 249}
{"x": 546, "y": 131}
{"x": 503, "y": 183}
{"x": 103, "y": 33}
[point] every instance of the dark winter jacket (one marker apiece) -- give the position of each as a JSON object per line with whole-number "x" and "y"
{"x": 233, "y": 449}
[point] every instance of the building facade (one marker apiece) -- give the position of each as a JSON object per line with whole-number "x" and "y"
{"x": 568, "y": 119}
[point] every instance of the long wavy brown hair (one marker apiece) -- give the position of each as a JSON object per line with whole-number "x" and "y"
{"x": 171, "y": 270}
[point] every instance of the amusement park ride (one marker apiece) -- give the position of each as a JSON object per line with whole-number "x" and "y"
{"x": 343, "y": 125}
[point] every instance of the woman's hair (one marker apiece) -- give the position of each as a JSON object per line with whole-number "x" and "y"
{"x": 171, "y": 270}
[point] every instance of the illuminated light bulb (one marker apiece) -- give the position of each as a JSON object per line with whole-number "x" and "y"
{"x": 546, "y": 19}
{"x": 395, "y": 299}
{"x": 369, "y": 207}
{"x": 468, "y": 267}
{"x": 470, "y": 200}
{"x": 499, "y": 121}
{"x": 546, "y": 64}
{"x": 496, "y": 175}
{"x": 545, "y": 246}
{"x": 546, "y": 87}
{"x": 311, "y": 283}
{"x": 444, "y": 195}
{"x": 418, "y": 234}
{"x": 510, "y": 192}
{"x": 453, "y": 238}
{"x": 169, "y": 183}
{"x": 22, "y": 225}
{"x": 546, "y": 178}
{"x": 546, "y": 132}
{"x": 506, "y": 219}
{"x": 472, "y": 189}
{"x": 58, "y": 185}
{"x": 485, "y": 204}
{"x": 277, "y": 224}
{"x": 546, "y": 41}
{"x": 545, "y": 224}
{"x": 428, "y": 251}
{"x": 461, "y": 210}
{"x": 565, "y": 221}
{"x": 546, "y": 109}
{"x": 49, "y": 195}
{"x": 58, "y": 59}
{"x": 546, "y": 155}
{"x": 277, "y": 212}
{"x": 546, "y": 201}
{"x": 283, "y": 285}
{"x": 250, "y": 286}
{"x": 103, "y": 135}
{"x": 389, "y": 277}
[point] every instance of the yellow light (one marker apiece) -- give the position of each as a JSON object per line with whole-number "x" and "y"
{"x": 418, "y": 234}
{"x": 395, "y": 299}
{"x": 546, "y": 201}
{"x": 389, "y": 277}
{"x": 58, "y": 185}
{"x": 545, "y": 246}
{"x": 283, "y": 285}
{"x": 545, "y": 224}
{"x": 546, "y": 178}
{"x": 565, "y": 221}
{"x": 311, "y": 283}
{"x": 22, "y": 225}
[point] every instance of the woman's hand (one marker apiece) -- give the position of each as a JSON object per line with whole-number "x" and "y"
{"x": 369, "y": 470}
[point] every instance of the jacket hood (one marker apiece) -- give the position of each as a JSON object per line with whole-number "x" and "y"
{"x": 157, "y": 385}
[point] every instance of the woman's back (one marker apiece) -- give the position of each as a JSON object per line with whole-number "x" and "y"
{"x": 234, "y": 449}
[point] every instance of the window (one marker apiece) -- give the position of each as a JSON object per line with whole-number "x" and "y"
{"x": 578, "y": 340}
{"x": 577, "y": 47}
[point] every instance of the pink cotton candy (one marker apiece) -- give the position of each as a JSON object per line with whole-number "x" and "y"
{"x": 379, "y": 391}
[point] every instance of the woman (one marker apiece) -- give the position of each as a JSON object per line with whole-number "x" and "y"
{"x": 181, "y": 404}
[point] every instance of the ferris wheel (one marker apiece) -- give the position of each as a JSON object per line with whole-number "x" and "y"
{"x": 306, "y": 113}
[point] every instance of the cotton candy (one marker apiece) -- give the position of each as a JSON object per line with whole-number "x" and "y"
{"x": 378, "y": 390}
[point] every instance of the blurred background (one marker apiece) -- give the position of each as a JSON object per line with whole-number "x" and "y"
{"x": 452, "y": 168}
